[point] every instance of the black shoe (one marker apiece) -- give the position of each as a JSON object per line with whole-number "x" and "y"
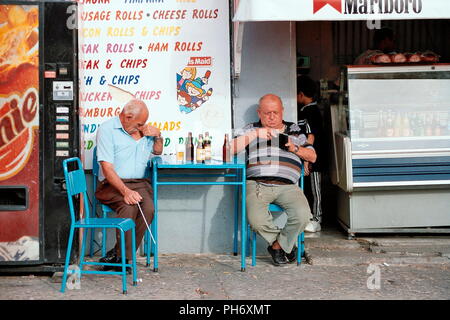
{"x": 116, "y": 259}
{"x": 292, "y": 256}
{"x": 278, "y": 256}
{"x": 111, "y": 256}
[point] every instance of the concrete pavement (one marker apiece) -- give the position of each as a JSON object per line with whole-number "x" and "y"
{"x": 376, "y": 267}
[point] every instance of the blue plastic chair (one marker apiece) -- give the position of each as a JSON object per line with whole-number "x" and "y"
{"x": 76, "y": 185}
{"x": 300, "y": 239}
{"x": 105, "y": 209}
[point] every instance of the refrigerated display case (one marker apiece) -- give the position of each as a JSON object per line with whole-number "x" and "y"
{"x": 392, "y": 149}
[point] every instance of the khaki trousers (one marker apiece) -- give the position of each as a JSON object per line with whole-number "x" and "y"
{"x": 291, "y": 199}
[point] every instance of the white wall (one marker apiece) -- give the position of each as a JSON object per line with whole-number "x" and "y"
{"x": 268, "y": 66}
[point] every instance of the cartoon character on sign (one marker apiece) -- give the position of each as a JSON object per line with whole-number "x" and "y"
{"x": 187, "y": 74}
{"x": 190, "y": 92}
{"x": 184, "y": 102}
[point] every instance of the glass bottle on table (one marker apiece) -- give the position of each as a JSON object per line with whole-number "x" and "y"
{"x": 189, "y": 148}
{"x": 226, "y": 150}
{"x": 200, "y": 154}
{"x": 207, "y": 146}
{"x": 180, "y": 152}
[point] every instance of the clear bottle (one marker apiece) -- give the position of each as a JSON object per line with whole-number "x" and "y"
{"x": 189, "y": 148}
{"x": 397, "y": 125}
{"x": 200, "y": 154}
{"x": 443, "y": 123}
{"x": 390, "y": 125}
{"x": 226, "y": 151}
{"x": 381, "y": 124}
{"x": 207, "y": 147}
{"x": 428, "y": 125}
{"x": 406, "y": 128}
{"x": 413, "y": 123}
{"x": 420, "y": 125}
{"x": 436, "y": 125}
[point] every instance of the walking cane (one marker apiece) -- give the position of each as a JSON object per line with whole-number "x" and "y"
{"x": 145, "y": 220}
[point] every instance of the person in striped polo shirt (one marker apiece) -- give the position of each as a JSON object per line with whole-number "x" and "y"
{"x": 273, "y": 171}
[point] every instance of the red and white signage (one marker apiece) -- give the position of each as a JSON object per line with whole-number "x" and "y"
{"x": 333, "y": 10}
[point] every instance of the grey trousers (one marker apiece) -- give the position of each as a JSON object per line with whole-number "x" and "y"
{"x": 288, "y": 197}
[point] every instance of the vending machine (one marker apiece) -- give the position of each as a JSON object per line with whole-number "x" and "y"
{"x": 38, "y": 129}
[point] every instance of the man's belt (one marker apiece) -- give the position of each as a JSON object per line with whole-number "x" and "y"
{"x": 268, "y": 181}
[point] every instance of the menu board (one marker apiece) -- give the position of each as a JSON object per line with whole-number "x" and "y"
{"x": 172, "y": 54}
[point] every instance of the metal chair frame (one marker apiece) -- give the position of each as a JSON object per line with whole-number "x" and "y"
{"x": 76, "y": 185}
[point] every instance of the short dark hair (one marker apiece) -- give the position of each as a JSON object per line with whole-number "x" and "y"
{"x": 381, "y": 34}
{"x": 307, "y": 86}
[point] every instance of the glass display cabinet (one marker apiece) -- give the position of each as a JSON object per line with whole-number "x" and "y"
{"x": 392, "y": 149}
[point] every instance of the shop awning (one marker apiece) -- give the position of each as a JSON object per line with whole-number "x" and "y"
{"x": 336, "y": 10}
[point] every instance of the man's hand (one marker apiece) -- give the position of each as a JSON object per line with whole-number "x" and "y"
{"x": 291, "y": 147}
{"x": 131, "y": 197}
{"x": 150, "y": 131}
{"x": 265, "y": 133}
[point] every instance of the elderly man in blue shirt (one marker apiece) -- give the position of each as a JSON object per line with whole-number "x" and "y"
{"x": 124, "y": 146}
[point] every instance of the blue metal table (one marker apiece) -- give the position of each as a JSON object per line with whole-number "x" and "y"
{"x": 235, "y": 170}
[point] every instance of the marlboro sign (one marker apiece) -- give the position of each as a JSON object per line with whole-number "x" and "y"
{"x": 319, "y": 4}
{"x": 335, "y": 10}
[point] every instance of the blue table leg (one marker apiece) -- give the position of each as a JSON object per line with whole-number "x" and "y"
{"x": 155, "y": 218}
{"x": 236, "y": 215}
{"x": 243, "y": 221}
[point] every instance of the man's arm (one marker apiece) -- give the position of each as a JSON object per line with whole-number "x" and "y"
{"x": 151, "y": 131}
{"x": 129, "y": 196}
{"x": 307, "y": 154}
{"x": 310, "y": 139}
{"x": 240, "y": 143}
{"x": 158, "y": 146}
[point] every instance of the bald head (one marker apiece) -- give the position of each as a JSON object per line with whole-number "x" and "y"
{"x": 270, "y": 99}
{"x": 135, "y": 108}
{"x": 270, "y": 111}
{"x": 134, "y": 116}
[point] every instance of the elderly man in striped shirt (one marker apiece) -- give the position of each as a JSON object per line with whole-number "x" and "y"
{"x": 273, "y": 172}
